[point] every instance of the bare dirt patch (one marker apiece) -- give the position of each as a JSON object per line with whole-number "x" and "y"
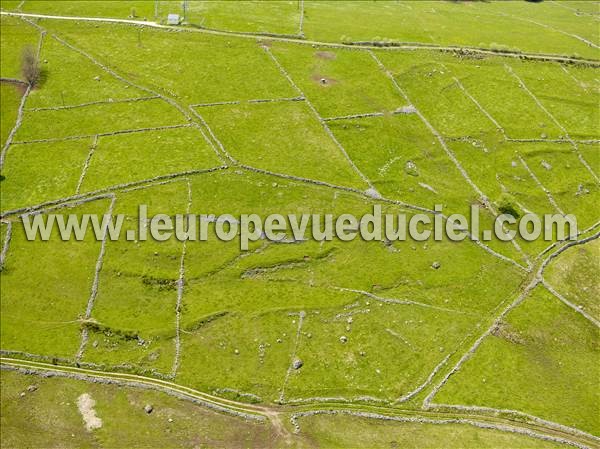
{"x": 19, "y": 86}
{"x": 86, "y": 404}
{"x": 325, "y": 55}
{"x": 323, "y": 80}
{"x": 508, "y": 333}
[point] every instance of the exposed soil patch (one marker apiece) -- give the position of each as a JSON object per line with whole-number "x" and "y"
{"x": 325, "y": 55}
{"x": 323, "y": 81}
{"x": 20, "y": 86}
{"x": 505, "y": 331}
{"x": 86, "y": 404}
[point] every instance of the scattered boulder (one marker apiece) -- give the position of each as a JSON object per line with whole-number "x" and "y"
{"x": 581, "y": 190}
{"x": 97, "y": 78}
{"x": 373, "y": 193}
{"x": 148, "y": 408}
{"x": 411, "y": 168}
{"x": 297, "y": 364}
{"x": 410, "y": 109}
{"x": 32, "y": 388}
{"x": 546, "y": 165}
{"x": 436, "y": 265}
{"x": 343, "y": 339}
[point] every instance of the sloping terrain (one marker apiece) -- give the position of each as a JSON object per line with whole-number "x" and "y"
{"x": 289, "y": 108}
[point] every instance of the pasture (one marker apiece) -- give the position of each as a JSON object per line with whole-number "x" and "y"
{"x": 301, "y": 107}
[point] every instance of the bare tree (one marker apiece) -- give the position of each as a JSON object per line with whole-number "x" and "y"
{"x": 30, "y": 67}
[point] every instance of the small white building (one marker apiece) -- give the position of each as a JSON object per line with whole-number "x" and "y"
{"x": 173, "y": 19}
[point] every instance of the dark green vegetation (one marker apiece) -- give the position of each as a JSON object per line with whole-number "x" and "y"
{"x": 208, "y": 122}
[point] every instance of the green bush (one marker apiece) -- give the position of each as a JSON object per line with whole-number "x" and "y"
{"x": 507, "y": 206}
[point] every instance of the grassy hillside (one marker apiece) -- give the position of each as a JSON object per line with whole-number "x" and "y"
{"x": 315, "y": 108}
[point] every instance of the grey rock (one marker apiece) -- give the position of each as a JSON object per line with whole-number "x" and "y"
{"x": 410, "y": 109}
{"x": 148, "y": 408}
{"x": 297, "y": 364}
{"x": 411, "y": 168}
{"x": 373, "y": 193}
{"x": 581, "y": 190}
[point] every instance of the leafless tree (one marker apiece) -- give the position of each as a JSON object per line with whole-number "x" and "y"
{"x": 30, "y": 67}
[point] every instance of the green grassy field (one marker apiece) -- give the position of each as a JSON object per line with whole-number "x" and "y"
{"x": 526, "y": 365}
{"x": 176, "y": 423}
{"x": 295, "y": 107}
